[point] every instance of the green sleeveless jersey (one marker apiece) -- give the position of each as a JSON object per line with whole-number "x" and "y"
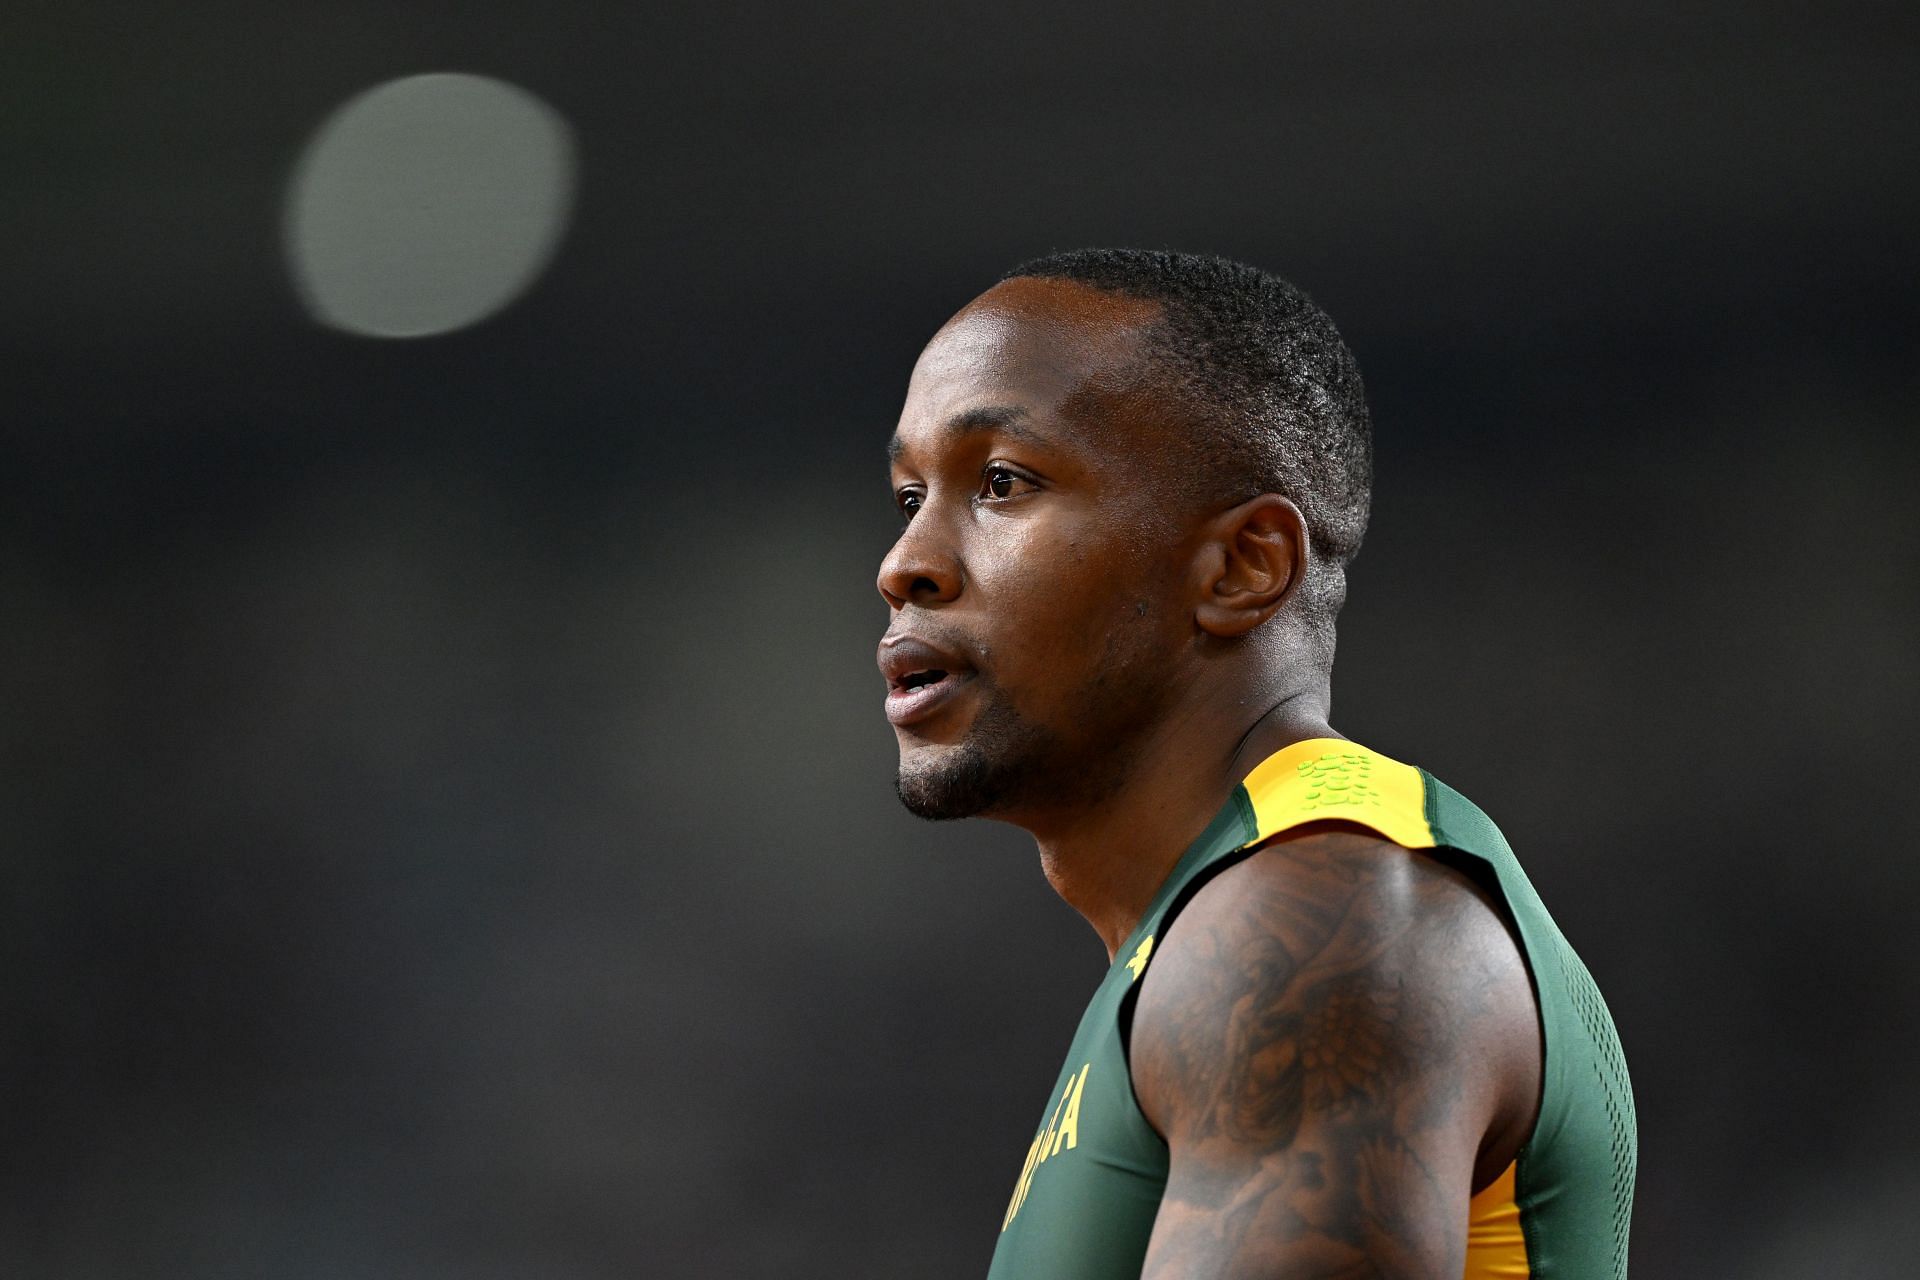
{"x": 1084, "y": 1204}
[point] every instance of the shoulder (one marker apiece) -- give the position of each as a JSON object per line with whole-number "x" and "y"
{"x": 1333, "y": 977}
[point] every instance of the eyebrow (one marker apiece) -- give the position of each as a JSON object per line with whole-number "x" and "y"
{"x": 1002, "y": 418}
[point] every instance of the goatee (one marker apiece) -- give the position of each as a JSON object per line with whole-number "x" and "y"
{"x": 1001, "y": 755}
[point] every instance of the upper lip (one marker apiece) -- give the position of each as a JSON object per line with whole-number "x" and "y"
{"x": 903, "y": 654}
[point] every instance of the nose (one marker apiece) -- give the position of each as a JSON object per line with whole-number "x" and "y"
{"x": 921, "y": 568}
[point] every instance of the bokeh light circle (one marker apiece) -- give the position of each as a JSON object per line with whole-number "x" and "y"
{"x": 427, "y": 203}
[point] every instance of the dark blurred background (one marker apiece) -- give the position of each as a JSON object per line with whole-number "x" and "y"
{"x": 446, "y": 813}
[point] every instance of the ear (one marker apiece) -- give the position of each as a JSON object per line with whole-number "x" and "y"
{"x": 1253, "y": 557}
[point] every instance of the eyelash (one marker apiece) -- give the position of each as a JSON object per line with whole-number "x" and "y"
{"x": 987, "y": 475}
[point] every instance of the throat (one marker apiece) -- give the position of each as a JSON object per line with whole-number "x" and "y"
{"x": 1111, "y": 864}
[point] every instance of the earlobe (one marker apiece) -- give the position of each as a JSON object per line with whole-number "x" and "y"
{"x": 1255, "y": 556}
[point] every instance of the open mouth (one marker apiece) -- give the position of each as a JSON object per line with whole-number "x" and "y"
{"x": 922, "y": 676}
{"x": 914, "y": 695}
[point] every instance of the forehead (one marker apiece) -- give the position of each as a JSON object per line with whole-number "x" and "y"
{"x": 1028, "y": 352}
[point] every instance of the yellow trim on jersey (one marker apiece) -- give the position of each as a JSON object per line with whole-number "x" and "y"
{"x": 1496, "y": 1246}
{"x": 1330, "y": 778}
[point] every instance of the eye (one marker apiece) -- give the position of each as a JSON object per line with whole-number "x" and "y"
{"x": 909, "y": 501}
{"x": 999, "y": 481}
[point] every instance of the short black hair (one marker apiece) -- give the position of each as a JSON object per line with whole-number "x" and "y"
{"x": 1274, "y": 395}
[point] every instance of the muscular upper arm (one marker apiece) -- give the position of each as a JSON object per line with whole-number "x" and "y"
{"x": 1334, "y": 1036}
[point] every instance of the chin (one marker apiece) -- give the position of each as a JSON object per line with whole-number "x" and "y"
{"x": 943, "y": 783}
{"x": 1001, "y": 761}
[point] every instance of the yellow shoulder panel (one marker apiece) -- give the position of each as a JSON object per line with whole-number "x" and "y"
{"x": 1330, "y": 778}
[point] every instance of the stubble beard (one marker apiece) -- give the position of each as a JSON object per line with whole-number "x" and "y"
{"x": 1007, "y": 762}
{"x": 987, "y": 772}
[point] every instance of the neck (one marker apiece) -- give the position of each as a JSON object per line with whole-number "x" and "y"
{"x": 1108, "y": 859}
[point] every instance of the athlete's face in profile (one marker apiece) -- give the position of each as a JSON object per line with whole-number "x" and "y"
{"x": 1033, "y": 636}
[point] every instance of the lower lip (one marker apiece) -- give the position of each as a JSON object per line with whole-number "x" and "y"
{"x": 905, "y": 706}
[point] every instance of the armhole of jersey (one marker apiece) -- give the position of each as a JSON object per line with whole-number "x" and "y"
{"x": 1486, "y": 877}
{"x": 1483, "y": 871}
{"x": 1123, "y": 1016}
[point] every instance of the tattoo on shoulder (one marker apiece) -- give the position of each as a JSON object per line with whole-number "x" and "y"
{"x": 1297, "y": 1051}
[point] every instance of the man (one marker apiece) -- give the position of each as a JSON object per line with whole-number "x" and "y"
{"x": 1340, "y": 1036}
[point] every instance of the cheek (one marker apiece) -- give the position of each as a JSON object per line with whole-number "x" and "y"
{"x": 1062, "y": 610}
